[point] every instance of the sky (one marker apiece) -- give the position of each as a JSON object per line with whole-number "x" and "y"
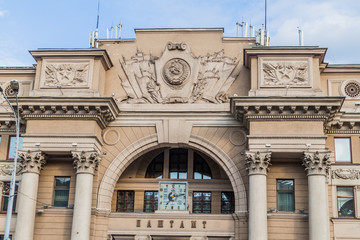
{"x": 29, "y": 25}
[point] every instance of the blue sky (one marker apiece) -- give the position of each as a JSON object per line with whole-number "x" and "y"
{"x": 28, "y": 25}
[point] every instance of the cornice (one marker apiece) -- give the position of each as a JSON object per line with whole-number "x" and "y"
{"x": 246, "y": 109}
{"x": 101, "y": 110}
{"x": 344, "y": 123}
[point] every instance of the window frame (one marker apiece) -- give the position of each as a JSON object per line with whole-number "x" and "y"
{"x": 202, "y": 202}
{"x": 231, "y": 202}
{"x": 350, "y": 150}
{"x": 8, "y": 192}
{"x": 125, "y": 201}
{"x": 61, "y": 188}
{"x": 9, "y": 144}
{"x": 285, "y": 191}
{"x": 177, "y": 163}
{"x": 337, "y": 202}
{"x": 204, "y": 164}
{"x": 153, "y": 201}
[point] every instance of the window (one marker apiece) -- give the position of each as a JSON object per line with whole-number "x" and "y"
{"x": 5, "y": 197}
{"x": 227, "y": 202}
{"x": 125, "y": 201}
{"x": 150, "y": 201}
{"x": 201, "y": 168}
{"x": 342, "y": 150}
{"x": 12, "y": 146}
{"x": 345, "y": 199}
{"x": 285, "y": 195}
{"x": 155, "y": 169}
{"x": 2, "y": 237}
{"x": 202, "y": 202}
{"x": 178, "y": 163}
{"x": 61, "y": 191}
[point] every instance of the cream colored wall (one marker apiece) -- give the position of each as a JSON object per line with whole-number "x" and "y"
{"x": 286, "y": 127}
{"x": 355, "y": 150}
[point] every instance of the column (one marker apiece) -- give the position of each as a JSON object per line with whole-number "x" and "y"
{"x": 257, "y": 164}
{"x": 31, "y": 164}
{"x": 317, "y": 165}
{"x": 85, "y": 164}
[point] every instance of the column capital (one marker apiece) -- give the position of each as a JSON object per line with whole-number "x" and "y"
{"x": 257, "y": 163}
{"x": 316, "y": 163}
{"x": 85, "y": 162}
{"x": 32, "y": 161}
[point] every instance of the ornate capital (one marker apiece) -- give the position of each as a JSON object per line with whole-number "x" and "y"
{"x": 86, "y": 162}
{"x": 257, "y": 162}
{"x": 316, "y": 163}
{"x": 32, "y": 162}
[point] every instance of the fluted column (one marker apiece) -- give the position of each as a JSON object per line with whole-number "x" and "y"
{"x": 317, "y": 165}
{"x": 85, "y": 164}
{"x": 257, "y": 165}
{"x": 31, "y": 164}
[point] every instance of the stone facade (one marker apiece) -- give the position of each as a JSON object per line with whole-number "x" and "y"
{"x": 265, "y": 139}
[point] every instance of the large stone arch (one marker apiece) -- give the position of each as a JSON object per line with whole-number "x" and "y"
{"x": 146, "y": 144}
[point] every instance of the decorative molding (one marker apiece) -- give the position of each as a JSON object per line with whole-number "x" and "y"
{"x": 101, "y": 110}
{"x": 316, "y": 163}
{"x": 237, "y": 137}
{"x": 257, "y": 162}
{"x": 7, "y": 168}
{"x": 351, "y": 174}
{"x": 109, "y": 139}
{"x": 177, "y": 77}
{"x": 85, "y": 162}
{"x": 350, "y": 88}
{"x": 32, "y": 161}
{"x": 66, "y": 75}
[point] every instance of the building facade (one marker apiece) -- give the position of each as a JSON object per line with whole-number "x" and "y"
{"x": 183, "y": 134}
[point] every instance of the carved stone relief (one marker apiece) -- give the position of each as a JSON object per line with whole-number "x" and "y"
{"x": 257, "y": 162}
{"x": 6, "y": 169}
{"x": 178, "y": 77}
{"x": 32, "y": 161}
{"x": 66, "y": 75}
{"x": 350, "y": 89}
{"x": 350, "y": 174}
{"x": 85, "y": 162}
{"x": 285, "y": 73}
{"x": 316, "y": 163}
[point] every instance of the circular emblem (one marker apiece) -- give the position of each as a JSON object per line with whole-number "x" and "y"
{"x": 176, "y": 71}
{"x": 352, "y": 89}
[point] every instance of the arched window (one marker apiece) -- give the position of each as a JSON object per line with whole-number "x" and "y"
{"x": 180, "y": 162}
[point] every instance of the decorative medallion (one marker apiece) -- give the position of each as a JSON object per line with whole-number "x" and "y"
{"x": 352, "y": 89}
{"x": 111, "y": 136}
{"x": 176, "y": 71}
{"x": 237, "y": 137}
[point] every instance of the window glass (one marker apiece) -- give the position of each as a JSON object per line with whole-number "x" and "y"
{"x": 61, "y": 191}
{"x": 342, "y": 150}
{"x": 12, "y": 146}
{"x": 5, "y": 196}
{"x": 201, "y": 168}
{"x": 285, "y": 195}
{"x": 150, "y": 201}
{"x": 125, "y": 201}
{"x": 345, "y": 197}
{"x": 227, "y": 202}
{"x": 178, "y": 163}
{"x": 202, "y": 202}
{"x": 155, "y": 169}
{"x": 2, "y": 237}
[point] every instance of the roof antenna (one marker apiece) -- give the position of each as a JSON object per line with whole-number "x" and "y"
{"x": 97, "y": 25}
{"x": 265, "y": 15}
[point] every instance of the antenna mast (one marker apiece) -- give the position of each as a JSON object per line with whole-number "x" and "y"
{"x": 265, "y": 14}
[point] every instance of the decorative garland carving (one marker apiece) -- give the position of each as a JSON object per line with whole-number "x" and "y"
{"x": 351, "y": 174}
{"x": 257, "y": 162}
{"x": 6, "y": 169}
{"x": 32, "y": 162}
{"x": 316, "y": 163}
{"x": 85, "y": 162}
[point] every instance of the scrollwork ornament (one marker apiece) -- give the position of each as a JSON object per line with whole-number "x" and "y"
{"x": 347, "y": 174}
{"x": 316, "y": 163}
{"x": 32, "y": 162}
{"x": 257, "y": 162}
{"x": 86, "y": 162}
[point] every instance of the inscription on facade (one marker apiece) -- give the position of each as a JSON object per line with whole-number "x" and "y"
{"x": 161, "y": 223}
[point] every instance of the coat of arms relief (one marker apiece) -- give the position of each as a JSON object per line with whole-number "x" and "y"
{"x": 178, "y": 76}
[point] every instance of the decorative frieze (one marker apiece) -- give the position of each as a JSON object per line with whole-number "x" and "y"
{"x": 316, "y": 163}
{"x": 85, "y": 162}
{"x": 351, "y": 174}
{"x": 32, "y": 161}
{"x": 7, "y": 168}
{"x": 257, "y": 162}
{"x": 68, "y": 75}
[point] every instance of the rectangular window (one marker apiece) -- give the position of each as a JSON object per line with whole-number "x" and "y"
{"x": 125, "y": 201}
{"x": 2, "y": 237}
{"x": 12, "y": 146}
{"x": 345, "y": 199}
{"x": 178, "y": 163}
{"x": 202, "y": 202}
{"x": 227, "y": 202}
{"x": 285, "y": 195}
{"x": 150, "y": 201}
{"x": 5, "y": 196}
{"x": 61, "y": 191}
{"x": 342, "y": 149}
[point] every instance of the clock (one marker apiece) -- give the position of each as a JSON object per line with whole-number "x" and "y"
{"x": 173, "y": 196}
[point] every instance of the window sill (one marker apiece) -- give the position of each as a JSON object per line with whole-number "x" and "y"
{"x": 287, "y": 215}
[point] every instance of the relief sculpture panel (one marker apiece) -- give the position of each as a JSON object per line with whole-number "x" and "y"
{"x": 177, "y": 77}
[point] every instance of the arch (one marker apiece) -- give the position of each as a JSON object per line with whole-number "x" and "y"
{"x": 146, "y": 144}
